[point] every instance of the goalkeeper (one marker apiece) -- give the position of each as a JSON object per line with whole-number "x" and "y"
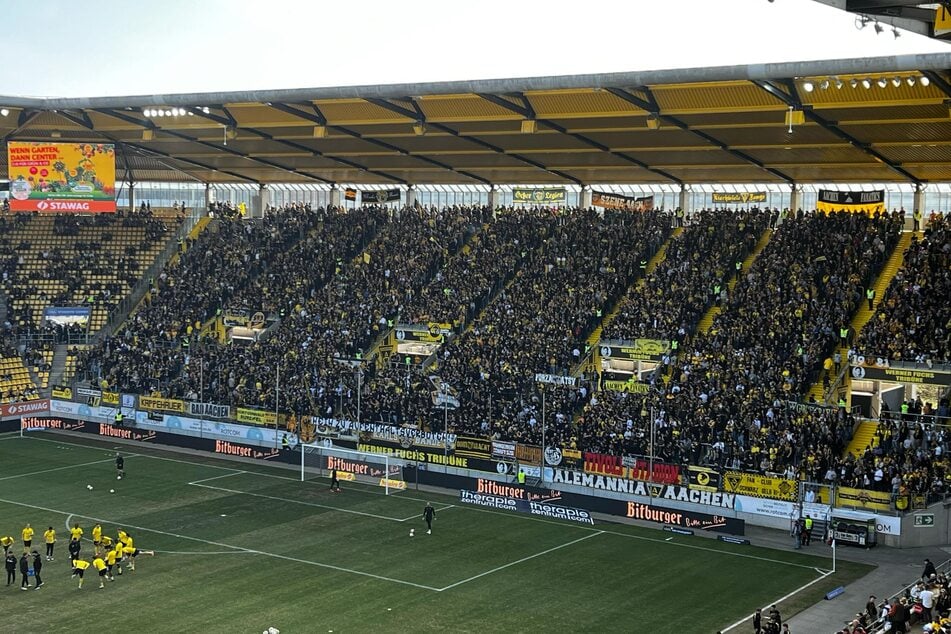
{"x": 429, "y": 514}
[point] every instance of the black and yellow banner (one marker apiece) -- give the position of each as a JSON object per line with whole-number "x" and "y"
{"x": 862, "y": 498}
{"x": 153, "y": 403}
{"x": 110, "y": 398}
{"x": 632, "y": 386}
{"x": 255, "y": 416}
{"x": 620, "y": 201}
{"x": 760, "y": 486}
{"x": 639, "y": 350}
{"x": 473, "y": 447}
{"x": 350, "y": 194}
{"x": 547, "y": 196}
{"x": 871, "y": 202}
{"x": 63, "y": 392}
{"x": 739, "y": 197}
{"x": 703, "y": 478}
{"x": 900, "y": 375}
{"x": 368, "y": 196}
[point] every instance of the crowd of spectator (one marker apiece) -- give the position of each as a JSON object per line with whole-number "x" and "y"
{"x": 925, "y": 604}
{"x": 539, "y": 322}
{"x": 692, "y": 276}
{"x": 339, "y": 279}
{"x": 235, "y": 265}
{"x": 913, "y": 320}
{"x": 724, "y": 398}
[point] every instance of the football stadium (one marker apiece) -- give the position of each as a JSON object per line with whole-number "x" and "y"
{"x": 658, "y": 350}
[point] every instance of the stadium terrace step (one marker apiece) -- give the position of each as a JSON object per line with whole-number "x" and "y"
{"x": 863, "y": 314}
{"x": 58, "y": 365}
{"x": 862, "y": 438}
{"x": 885, "y": 278}
{"x": 707, "y": 320}
{"x": 652, "y": 264}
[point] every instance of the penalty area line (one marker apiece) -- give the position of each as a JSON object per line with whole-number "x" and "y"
{"x": 301, "y": 502}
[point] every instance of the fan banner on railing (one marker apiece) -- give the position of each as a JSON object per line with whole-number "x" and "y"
{"x": 379, "y": 195}
{"x": 620, "y": 201}
{"x": 739, "y": 197}
{"x": 545, "y": 196}
{"x": 62, "y": 177}
{"x": 870, "y": 202}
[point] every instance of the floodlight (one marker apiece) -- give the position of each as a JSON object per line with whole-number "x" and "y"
{"x": 882, "y": 82}
{"x": 924, "y": 81}
{"x": 807, "y": 86}
{"x": 866, "y": 83}
{"x": 4, "y": 112}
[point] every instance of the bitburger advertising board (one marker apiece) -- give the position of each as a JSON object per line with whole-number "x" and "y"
{"x": 531, "y": 507}
{"x": 652, "y": 513}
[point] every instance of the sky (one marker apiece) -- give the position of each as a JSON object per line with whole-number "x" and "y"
{"x": 128, "y": 47}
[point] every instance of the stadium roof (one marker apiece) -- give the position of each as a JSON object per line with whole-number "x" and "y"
{"x": 884, "y": 119}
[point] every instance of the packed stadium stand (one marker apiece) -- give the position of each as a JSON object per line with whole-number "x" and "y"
{"x": 523, "y": 290}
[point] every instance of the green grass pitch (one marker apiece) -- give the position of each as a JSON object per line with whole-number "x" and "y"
{"x": 243, "y": 547}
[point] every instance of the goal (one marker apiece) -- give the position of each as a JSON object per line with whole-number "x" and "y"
{"x": 317, "y": 461}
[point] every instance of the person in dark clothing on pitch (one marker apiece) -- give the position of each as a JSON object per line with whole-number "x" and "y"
{"x": 429, "y": 514}
{"x": 334, "y": 482}
{"x": 37, "y": 566}
{"x": 24, "y": 572}
{"x": 11, "y": 564}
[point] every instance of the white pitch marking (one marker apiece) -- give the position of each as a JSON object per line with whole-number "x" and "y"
{"x": 746, "y": 619}
{"x": 223, "y": 545}
{"x": 71, "y": 466}
{"x": 301, "y": 502}
{"x": 518, "y": 561}
{"x": 227, "y": 475}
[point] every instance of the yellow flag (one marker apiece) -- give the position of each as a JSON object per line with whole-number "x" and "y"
{"x": 366, "y": 257}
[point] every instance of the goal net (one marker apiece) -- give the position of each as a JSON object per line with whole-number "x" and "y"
{"x": 318, "y": 461}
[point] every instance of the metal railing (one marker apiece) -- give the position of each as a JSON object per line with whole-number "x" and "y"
{"x": 878, "y": 625}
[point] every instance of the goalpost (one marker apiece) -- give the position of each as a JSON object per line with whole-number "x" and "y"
{"x": 317, "y": 461}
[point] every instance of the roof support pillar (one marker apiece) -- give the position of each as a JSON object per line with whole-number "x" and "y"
{"x": 335, "y": 195}
{"x": 584, "y": 198}
{"x": 795, "y": 199}
{"x": 261, "y": 201}
{"x": 495, "y": 199}
{"x": 209, "y": 197}
{"x": 411, "y": 196}
{"x": 131, "y": 196}
{"x": 682, "y": 201}
{"x": 919, "y": 199}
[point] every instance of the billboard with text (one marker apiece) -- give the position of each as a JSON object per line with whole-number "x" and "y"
{"x": 62, "y": 177}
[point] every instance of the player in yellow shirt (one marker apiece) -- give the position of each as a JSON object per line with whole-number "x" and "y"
{"x": 96, "y": 536}
{"x": 117, "y": 551}
{"x": 49, "y": 536}
{"x": 79, "y": 567}
{"x": 130, "y": 552}
{"x": 6, "y": 541}
{"x": 100, "y": 565}
{"x": 111, "y": 562}
{"x": 27, "y": 536}
{"x": 76, "y": 532}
